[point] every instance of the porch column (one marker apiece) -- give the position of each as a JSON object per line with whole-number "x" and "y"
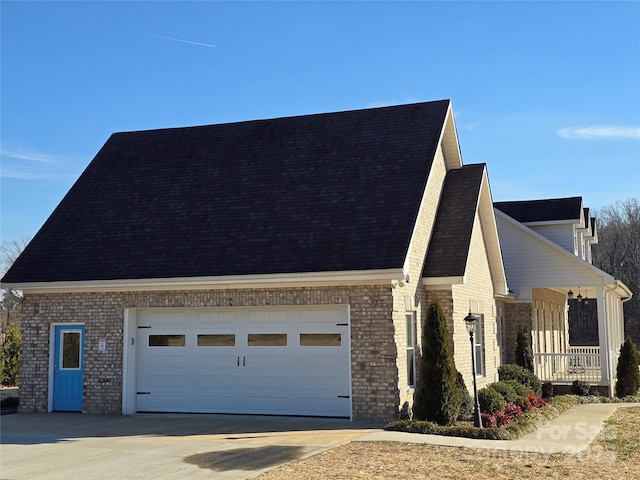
{"x": 604, "y": 335}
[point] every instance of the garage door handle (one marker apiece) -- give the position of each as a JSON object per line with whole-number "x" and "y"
{"x": 238, "y": 361}
{"x": 244, "y": 363}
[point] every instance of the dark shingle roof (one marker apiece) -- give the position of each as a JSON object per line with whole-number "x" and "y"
{"x": 451, "y": 238}
{"x": 554, "y": 209}
{"x": 327, "y": 192}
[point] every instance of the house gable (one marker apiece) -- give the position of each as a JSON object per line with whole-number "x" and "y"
{"x": 466, "y": 195}
{"x": 532, "y": 260}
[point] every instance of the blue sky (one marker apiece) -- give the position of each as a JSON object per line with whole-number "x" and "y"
{"x": 546, "y": 93}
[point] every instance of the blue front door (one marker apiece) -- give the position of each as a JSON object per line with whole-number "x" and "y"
{"x": 68, "y": 367}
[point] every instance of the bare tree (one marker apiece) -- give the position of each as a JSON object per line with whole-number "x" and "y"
{"x": 9, "y": 252}
{"x": 618, "y": 253}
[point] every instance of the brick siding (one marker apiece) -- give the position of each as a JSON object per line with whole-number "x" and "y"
{"x": 375, "y": 394}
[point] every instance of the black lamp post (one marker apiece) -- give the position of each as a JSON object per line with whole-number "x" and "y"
{"x": 471, "y": 322}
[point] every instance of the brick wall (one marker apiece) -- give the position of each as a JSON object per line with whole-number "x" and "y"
{"x": 414, "y": 290}
{"x": 374, "y": 369}
{"x": 518, "y": 316}
{"x": 476, "y": 294}
{"x": 545, "y": 318}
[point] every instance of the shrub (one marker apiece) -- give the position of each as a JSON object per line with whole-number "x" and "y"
{"x": 520, "y": 388}
{"x": 524, "y": 354}
{"x": 520, "y": 375}
{"x": 537, "y": 402}
{"x": 488, "y": 420}
{"x": 627, "y": 370}
{"x": 490, "y": 400}
{"x": 506, "y": 390}
{"x": 10, "y": 357}
{"x": 437, "y": 396}
{"x": 513, "y": 410}
{"x": 547, "y": 389}
{"x": 466, "y": 400}
{"x": 580, "y": 388}
{"x": 523, "y": 402}
{"x": 502, "y": 419}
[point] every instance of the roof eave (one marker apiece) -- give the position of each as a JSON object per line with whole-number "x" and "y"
{"x": 280, "y": 280}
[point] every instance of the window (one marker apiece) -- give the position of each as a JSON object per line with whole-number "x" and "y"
{"x": 320, "y": 339}
{"x": 478, "y": 341}
{"x": 499, "y": 316}
{"x": 267, "y": 340}
{"x": 216, "y": 340}
{"x": 71, "y": 345}
{"x": 410, "y": 320}
{"x": 166, "y": 340}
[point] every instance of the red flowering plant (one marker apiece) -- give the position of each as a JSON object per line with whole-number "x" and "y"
{"x": 537, "y": 402}
{"x": 514, "y": 411}
{"x": 488, "y": 420}
{"x": 502, "y": 419}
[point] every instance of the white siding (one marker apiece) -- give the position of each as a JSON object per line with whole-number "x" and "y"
{"x": 530, "y": 262}
{"x": 561, "y": 235}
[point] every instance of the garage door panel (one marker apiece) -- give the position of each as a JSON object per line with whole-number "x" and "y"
{"x": 215, "y": 361}
{"x": 321, "y": 362}
{"x": 329, "y": 407}
{"x": 217, "y": 383}
{"x": 257, "y": 384}
{"x": 214, "y": 403}
{"x": 244, "y": 360}
{"x": 322, "y": 383}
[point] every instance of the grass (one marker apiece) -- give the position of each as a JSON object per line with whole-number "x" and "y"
{"x": 615, "y": 454}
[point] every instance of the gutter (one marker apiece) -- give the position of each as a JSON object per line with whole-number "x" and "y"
{"x": 280, "y": 280}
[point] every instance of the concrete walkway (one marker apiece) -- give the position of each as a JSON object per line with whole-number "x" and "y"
{"x": 571, "y": 432}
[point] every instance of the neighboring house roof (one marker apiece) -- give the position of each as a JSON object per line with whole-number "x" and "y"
{"x": 451, "y": 237}
{"x": 549, "y": 210}
{"x": 327, "y": 192}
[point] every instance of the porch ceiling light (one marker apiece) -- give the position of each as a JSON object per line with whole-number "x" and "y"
{"x": 579, "y": 297}
{"x": 570, "y": 295}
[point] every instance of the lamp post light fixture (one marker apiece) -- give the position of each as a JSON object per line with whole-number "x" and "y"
{"x": 470, "y": 322}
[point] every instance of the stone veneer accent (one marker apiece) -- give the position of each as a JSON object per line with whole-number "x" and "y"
{"x": 375, "y": 393}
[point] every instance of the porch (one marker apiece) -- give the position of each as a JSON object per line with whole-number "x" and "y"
{"x": 578, "y": 363}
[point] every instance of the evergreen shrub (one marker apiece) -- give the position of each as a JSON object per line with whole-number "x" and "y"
{"x": 627, "y": 370}
{"x": 490, "y": 400}
{"x": 520, "y": 375}
{"x": 437, "y": 397}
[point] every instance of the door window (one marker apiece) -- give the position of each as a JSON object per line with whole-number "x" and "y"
{"x": 70, "y": 351}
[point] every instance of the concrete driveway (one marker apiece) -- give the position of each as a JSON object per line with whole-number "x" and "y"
{"x": 76, "y": 446}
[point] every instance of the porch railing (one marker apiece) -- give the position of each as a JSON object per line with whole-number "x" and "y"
{"x": 579, "y": 363}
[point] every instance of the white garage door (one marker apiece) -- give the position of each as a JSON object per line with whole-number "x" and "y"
{"x": 282, "y": 361}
